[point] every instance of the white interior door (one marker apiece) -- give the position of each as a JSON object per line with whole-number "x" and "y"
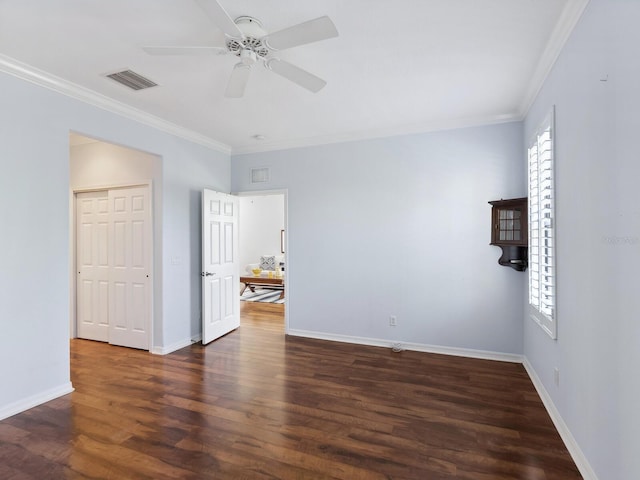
{"x": 220, "y": 265}
{"x": 130, "y": 251}
{"x": 92, "y": 262}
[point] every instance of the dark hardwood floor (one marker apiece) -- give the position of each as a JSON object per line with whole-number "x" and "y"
{"x": 257, "y": 405}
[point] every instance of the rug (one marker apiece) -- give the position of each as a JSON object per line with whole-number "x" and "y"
{"x": 262, "y": 295}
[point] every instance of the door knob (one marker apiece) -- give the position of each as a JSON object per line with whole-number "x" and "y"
{"x": 207, "y": 274}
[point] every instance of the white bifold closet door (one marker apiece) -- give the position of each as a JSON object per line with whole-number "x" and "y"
{"x": 113, "y": 258}
{"x": 92, "y": 262}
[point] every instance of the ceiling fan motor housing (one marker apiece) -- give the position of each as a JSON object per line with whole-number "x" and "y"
{"x": 251, "y": 43}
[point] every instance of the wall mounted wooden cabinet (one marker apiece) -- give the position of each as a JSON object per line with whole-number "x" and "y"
{"x": 509, "y": 231}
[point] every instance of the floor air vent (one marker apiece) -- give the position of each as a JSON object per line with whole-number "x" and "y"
{"x": 131, "y": 79}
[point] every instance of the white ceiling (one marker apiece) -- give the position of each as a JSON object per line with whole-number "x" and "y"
{"x": 399, "y": 66}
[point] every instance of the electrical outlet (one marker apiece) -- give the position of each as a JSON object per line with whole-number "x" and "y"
{"x": 556, "y": 376}
{"x": 393, "y": 321}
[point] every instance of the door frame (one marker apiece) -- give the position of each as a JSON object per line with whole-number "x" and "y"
{"x": 285, "y": 192}
{"x": 73, "y": 283}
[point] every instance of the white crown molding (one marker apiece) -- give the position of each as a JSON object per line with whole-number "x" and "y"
{"x": 381, "y": 133}
{"x": 565, "y": 25}
{"x": 417, "y": 347}
{"x": 570, "y": 442}
{"x": 568, "y": 20}
{"x": 35, "y": 400}
{"x": 31, "y": 74}
{"x": 39, "y": 77}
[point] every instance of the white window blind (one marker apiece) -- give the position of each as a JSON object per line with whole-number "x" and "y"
{"x": 542, "y": 268}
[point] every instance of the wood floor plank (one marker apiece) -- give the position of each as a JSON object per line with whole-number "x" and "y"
{"x": 256, "y": 404}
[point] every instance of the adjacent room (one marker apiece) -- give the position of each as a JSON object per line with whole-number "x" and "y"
{"x": 354, "y": 240}
{"x": 261, "y": 248}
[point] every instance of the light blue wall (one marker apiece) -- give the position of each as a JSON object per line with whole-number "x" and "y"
{"x": 34, "y": 244}
{"x": 34, "y": 278}
{"x": 598, "y": 238}
{"x": 400, "y": 226}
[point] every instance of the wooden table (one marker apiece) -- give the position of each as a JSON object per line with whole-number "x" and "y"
{"x": 269, "y": 283}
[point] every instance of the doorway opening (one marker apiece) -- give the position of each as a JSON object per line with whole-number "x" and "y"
{"x": 263, "y": 246}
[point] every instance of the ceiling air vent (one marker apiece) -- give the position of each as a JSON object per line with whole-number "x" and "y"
{"x": 259, "y": 175}
{"x": 131, "y": 79}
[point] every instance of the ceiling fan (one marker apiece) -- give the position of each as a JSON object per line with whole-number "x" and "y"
{"x": 246, "y": 39}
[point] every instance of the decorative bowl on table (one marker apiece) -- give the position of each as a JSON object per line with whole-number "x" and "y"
{"x": 256, "y": 272}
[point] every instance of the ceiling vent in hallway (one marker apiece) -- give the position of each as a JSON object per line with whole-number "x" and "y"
{"x": 131, "y": 79}
{"x": 260, "y": 175}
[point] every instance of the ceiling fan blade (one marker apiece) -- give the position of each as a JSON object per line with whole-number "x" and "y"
{"x": 321, "y": 28}
{"x": 237, "y": 81}
{"x": 220, "y": 17}
{"x": 185, "y": 50}
{"x": 296, "y": 75}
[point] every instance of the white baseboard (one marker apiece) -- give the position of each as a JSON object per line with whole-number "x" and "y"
{"x": 418, "y": 347}
{"x": 35, "y": 400}
{"x": 176, "y": 346}
{"x": 570, "y": 442}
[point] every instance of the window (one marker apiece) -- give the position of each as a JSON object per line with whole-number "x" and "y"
{"x": 542, "y": 261}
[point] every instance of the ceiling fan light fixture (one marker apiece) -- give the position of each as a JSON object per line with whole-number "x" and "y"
{"x": 248, "y": 57}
